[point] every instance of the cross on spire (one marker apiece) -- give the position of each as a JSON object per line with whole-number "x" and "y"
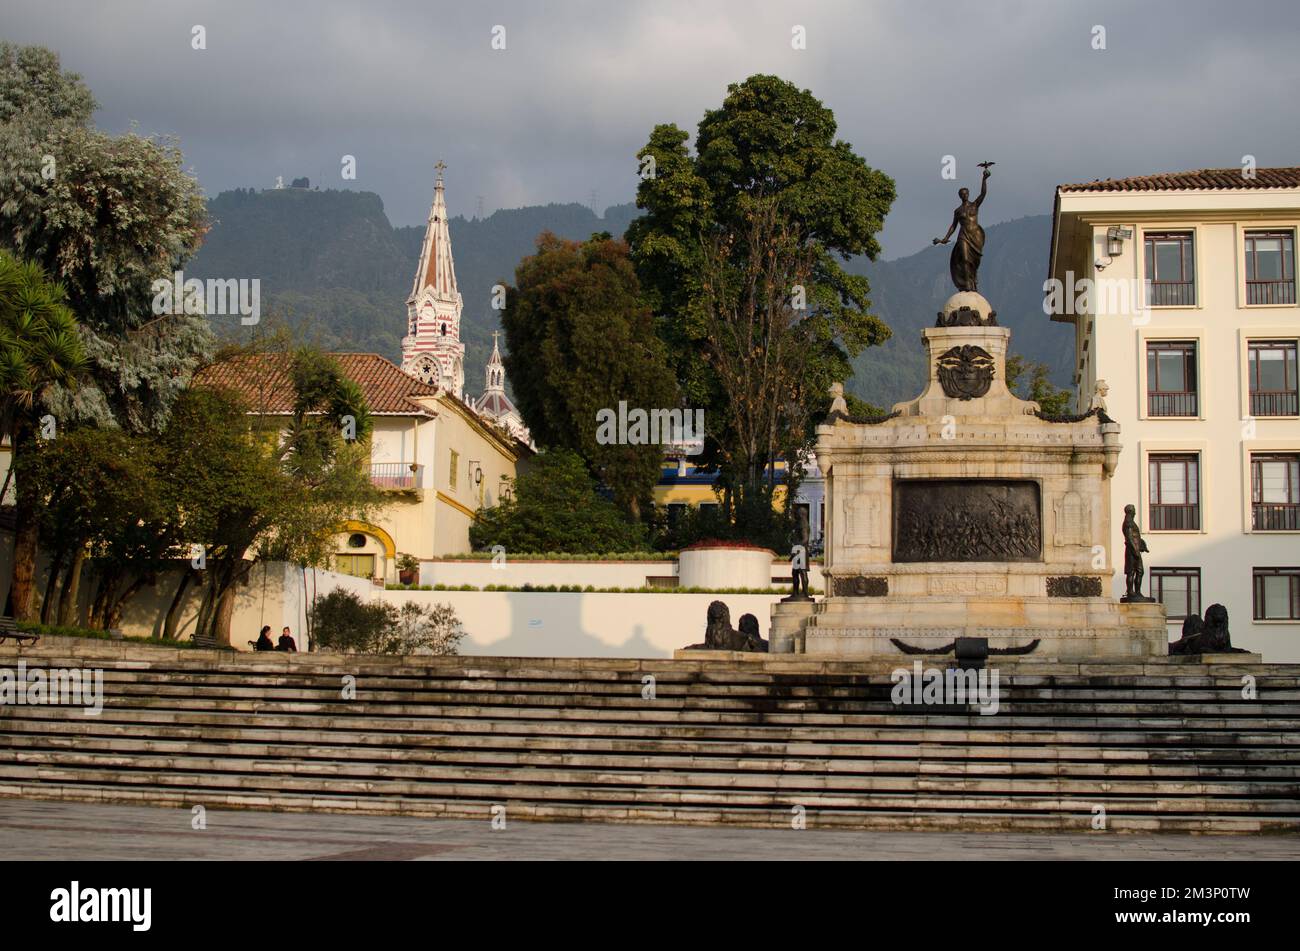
{"x": 440, "y": 166}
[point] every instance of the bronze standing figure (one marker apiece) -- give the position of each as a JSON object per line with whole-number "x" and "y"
{"x": 964, "y": 264}
{"x": 1134, "y": 546}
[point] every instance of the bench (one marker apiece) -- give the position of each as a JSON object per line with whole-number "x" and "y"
{"x": 9, "y": 630}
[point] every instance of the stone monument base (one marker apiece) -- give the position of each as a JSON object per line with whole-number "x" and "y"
{"x": 1064, "y": 628}
{"x": 788, "y": 619}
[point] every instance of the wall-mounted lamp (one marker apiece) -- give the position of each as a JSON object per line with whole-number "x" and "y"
{"x": 476, "y": 472}
{"x": 1115, "y": 238}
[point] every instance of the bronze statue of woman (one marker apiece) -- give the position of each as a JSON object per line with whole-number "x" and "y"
{"x": 966, "y": 253}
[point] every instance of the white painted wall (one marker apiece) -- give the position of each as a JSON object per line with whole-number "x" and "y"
{"x": 557, "y": 624}
{"x": 599, "y": 574}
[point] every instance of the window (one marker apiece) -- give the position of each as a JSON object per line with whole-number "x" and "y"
{"x": 1174, "y": 492}
{"x": 358, "y": 566}
{"x": 1171, "y": 270}
{"x": 675, "y": 512}
{"x": 1178, "y": 589}
{"x": 1275, "y": 492}
{"x": 356, "y": 540}
{"x": 1171, "y": 378}
{"x": 1270, "y": 267}
{"x": 455, "y": 469}
{"x": 1277, "y": 594}
{"x": 1272, "y": 368}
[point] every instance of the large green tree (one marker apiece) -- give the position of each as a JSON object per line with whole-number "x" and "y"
{"x": 104, "y": 216}
{"x": 554, "y": 507}
{"x": 39, "y": 349}
{"x": 740, "y": 253}
{"x": 581, "y": 341}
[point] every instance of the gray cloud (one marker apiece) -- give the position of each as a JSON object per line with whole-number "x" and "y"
{"x": 289, "y": 88}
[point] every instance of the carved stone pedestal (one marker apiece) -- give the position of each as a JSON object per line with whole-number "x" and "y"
{"x": 966, "y": 513}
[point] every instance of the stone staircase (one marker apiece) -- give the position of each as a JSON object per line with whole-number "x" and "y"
{"x": 1166, "y": 745}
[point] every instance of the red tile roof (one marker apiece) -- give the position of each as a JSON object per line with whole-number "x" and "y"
{"x": 1205, "y": 178}
{"x": 263, "y": 380}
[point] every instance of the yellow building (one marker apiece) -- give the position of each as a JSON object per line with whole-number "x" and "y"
{"x": 435, "y": 458}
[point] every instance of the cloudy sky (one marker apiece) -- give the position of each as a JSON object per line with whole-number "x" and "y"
{"x": 289, "y": 88}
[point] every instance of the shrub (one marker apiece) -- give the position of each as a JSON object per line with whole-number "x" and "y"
{"x": 342, "y": 621}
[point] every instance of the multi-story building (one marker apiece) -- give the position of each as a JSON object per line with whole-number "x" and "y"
{"x": 1182, "y": 292}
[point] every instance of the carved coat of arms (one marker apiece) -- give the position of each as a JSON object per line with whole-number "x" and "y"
{"x": 965, "y": 372}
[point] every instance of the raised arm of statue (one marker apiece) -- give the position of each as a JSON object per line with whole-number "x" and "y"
{"x": 984, "y": 188}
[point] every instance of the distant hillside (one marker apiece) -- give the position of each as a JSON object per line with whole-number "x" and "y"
{"x": 331, "y": 262}
{"x": 335, "y": 266}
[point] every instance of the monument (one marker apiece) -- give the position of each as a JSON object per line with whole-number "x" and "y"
{"x": 969, "y": 513}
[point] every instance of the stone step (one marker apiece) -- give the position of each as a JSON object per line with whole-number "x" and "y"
{"x": 1160, "y": 744}
{"x": 780, "y": 817}
{"x": 1244, "y": 713}
{"x": 951, "y": 729}
{"x": 1176, "y": 672}
{"x": 395, "y": 745}
{"x": 872, "y": 697}
{"x": 956, "y": 795}
{"x": 920, "y": 762}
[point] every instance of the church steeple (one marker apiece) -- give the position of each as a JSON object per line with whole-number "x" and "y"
{"x": 432, "y": 350}
{"x": 495, "y": 372}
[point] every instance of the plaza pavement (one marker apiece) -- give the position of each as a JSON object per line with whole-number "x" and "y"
{"x": 40, "y": 830}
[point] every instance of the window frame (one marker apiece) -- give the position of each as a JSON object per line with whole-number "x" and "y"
{"x": 1249, "y": 257}
{"x": 1254, "y": 459}
{"x": 1257, "y": 344}
{"x": 1186, "y": 457}
{"x": 1158, "y": 574}
{"x": 1191, "y": 351}
{"x": 1187, "y": 260}
{"x": 1257, "y": 576}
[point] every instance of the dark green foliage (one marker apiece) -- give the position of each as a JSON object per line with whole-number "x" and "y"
{"x": 39, "y": 343}
{"x": 1032, "y": 381}
{"x": 555, "y": 507}
{"x": 341, "y": 621}
{"x": 580, "y": 342}
{"x": 762, "y": 213}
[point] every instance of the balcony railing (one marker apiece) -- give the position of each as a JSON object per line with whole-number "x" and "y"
{"x": 1175, "y": 518}
{"x": 395, "y": 475}
{"x": 1171, "y": 293}
{"x": 1275, "y": 516}
{"x": 1270, "y": 292}
{"x": 1168, "y": 403}
{"x": 1274, "y": 403}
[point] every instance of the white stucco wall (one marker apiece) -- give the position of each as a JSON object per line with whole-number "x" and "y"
{"x": 558, "y": 624}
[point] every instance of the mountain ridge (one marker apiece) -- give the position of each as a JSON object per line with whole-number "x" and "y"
{"x": 334, "y": 266}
